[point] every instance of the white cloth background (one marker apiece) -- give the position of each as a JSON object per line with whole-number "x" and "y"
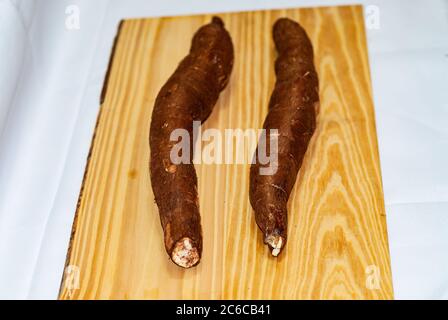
{"x": 51, "y": 79}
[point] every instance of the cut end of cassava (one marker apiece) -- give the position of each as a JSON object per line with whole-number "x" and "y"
{"x": 184, "y": 254}
{"x": 276, "y": 243}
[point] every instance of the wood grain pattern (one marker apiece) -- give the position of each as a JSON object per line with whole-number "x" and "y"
{"x": 337, "y": 223}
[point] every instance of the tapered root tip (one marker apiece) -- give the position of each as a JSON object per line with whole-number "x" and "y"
{"x": 218, "y": 21}
{"x": 184, "y": 254}
{"x": 276, "y": 243}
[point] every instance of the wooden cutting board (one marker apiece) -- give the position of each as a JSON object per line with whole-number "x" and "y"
{"x": 337, "y": 246}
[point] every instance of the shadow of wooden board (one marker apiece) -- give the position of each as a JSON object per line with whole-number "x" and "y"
{"x": 337, "y": 246}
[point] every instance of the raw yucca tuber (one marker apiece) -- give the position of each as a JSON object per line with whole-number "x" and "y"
{"x": 189, "y": 95}
{"x": 292, "y": 111}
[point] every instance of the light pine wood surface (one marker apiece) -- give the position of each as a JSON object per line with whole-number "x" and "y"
{"x": 337, "y": 246}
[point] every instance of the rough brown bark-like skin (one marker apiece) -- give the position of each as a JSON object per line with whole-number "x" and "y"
{"x": 292, "y": 110}
{"x": 189, "y": 95}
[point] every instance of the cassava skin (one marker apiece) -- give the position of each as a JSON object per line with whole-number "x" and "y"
{"x": 189, "y": 95}
{"x": 292, "y": 111}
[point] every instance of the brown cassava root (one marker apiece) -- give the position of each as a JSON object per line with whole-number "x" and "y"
{"x": 292, "y": 111}
{"x": 189, "y": 95}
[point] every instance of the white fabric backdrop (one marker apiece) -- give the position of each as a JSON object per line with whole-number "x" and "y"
{"x": 50, "y": 82}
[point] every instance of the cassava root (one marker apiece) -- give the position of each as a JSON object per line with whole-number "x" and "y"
{"x": 189, "y": 95}
{"x": 292, "y": 111}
